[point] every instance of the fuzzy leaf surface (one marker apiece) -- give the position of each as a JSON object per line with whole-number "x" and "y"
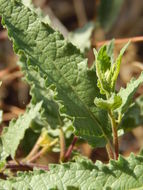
{"x": 41, "y": 91}
{"x": 103, "y": 66}
{"x": 111, "y": 104}
{"x": 134, "y": 115}
{"x": 110, "y": 50}
{"x": 13, "y": 134}
{"x": 126, "y": 174}
{"x": 127, "y": 93}
{"x": 62, "y": 64}
{"x": 116, "y": 67}
{"x": 106, "y": 68}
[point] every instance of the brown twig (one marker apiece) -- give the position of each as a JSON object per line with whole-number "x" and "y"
{"x": 38, "y": 155}
{"x": 42, "y": 151}
{"x": 25, "y": 166}
{"x": 3, "y": 35}
{"x": 80, "y": 12}
{"x": 13, "y": 109}
{"x": 70, "y": 149}
{"x": 109, "y": 152}
{"x": 34, "y": 150}
{"x": 119, "y": 41}
{"x": 115, "y": 134}
{"x": 2, "y": 176}
{"x": 13, "y": 112}
{"x": 9, "y": 116}
{"x": 12, "y": 76}
{"x": 8, "y": 70}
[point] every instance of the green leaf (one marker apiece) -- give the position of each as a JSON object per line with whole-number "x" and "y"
{"x": 82, "y": 37}
{"x": 110, "y": 50}
{"x": 61, "y": 64}
{"x": 122, "y": 174}
{"x": 29, "y": 4}
{"x": 108, "y": 12}
{"x": 127, "y": 93}
{"x": 103, "y": 66}
{"x": 134, "y": 115}
{"x": 41, "y": 91}
{"x": 49, "y": 116}
{"x": 107, "y": 71}
{"x": 116, "y": 66}
{"x": 112, "y": 103}
{"x": 13, "y": 134}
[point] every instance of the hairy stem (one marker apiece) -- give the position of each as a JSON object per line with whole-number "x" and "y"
{"x": 42, "y": 151}
{"x": 109, "y": 151}
{"x": 34, "y": 150}
{"x": 62, "y": 145}
{"x": 115, "y": 135}
{"x": 69, "y": 151}
{"x": 39, "y": 154}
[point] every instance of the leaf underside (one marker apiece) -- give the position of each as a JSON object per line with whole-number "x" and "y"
{"x": 13, "y": 134}
{"x": 59, "y": 63}
{"x": 83, "y": 174}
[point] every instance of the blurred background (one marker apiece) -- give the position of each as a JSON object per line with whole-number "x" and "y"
{"x": 89, "y": 23}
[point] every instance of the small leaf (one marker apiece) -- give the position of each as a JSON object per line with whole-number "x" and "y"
{"x": 116, "y": 66}
{"x": 108, "y": 71}
{"x": 103, "y": 66}
{"x": 112, "y": 103}
{"x": 110, "y": 50}
{"x": 13, "y": 134}
{"x": 134, "y": 116}
{"x": 127, "y": 93}
{"x": 82, "y": 37}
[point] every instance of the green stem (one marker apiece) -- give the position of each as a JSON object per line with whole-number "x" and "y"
{"x": 115, "y": 135}
{"x": 109, "y": 151}
{"x": 62, "y": 145}
{"x": 43, "y": 151}
{"x": 34, "y": 150}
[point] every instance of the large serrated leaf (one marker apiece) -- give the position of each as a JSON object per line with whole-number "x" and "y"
{"x": 13, "y": 134}
{"x": 48, "y": 53}
{"x": 124, "y": 174}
